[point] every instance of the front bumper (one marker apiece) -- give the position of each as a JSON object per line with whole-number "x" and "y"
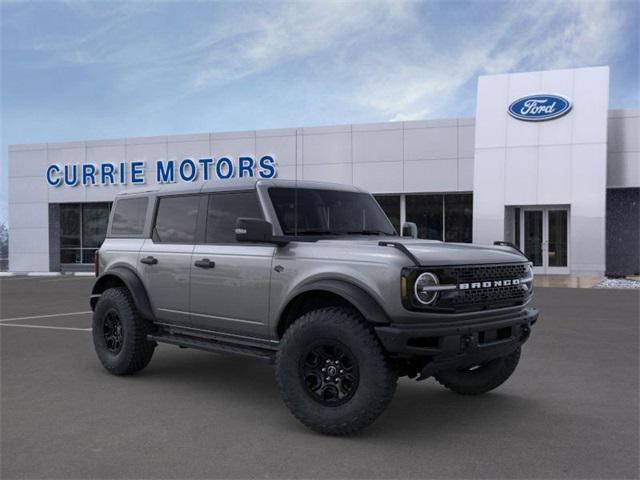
{"x": 449, "y": 345}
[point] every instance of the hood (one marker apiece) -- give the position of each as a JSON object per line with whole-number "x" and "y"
{"x": 439, "y": 253}
{"x": 433, "y": 252}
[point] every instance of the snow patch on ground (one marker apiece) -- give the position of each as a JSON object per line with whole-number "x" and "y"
{"x": 618, "y": 283}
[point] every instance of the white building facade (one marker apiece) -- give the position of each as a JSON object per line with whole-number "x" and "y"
{"x": 562, "y": 182}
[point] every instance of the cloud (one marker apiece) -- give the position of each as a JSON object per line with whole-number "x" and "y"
{"x": 393, "y": 58}
{"x": 526, "y": 36}
{"x": 295, "y": 30}
{"x": 217, "y": 43}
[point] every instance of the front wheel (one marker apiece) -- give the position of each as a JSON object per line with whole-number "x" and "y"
{"x": 333, "y": 373}
{"x": 481, "y": 378}
{"x": 120, "y": 334}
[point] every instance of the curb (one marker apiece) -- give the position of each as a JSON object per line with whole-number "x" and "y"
{"x": 46, "y": 274}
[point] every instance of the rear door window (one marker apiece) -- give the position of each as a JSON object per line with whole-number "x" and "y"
{"x": 223, "y": 212}
{"x": 176, "y": 219}
{"x": 128, "y": 217}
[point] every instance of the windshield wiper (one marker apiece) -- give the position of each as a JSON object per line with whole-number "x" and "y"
{"x": 368, "y": 232}
{"x": 317, "y": 232}
{"x": 337, "y": 232}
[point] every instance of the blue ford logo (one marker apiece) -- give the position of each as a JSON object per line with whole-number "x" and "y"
{"x": 535, "y": 108}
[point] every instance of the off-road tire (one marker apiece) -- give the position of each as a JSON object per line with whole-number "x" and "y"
{"x": 376, "y": 376}
{"x": 481, "y": 380}
{"x": 136, "y": 351}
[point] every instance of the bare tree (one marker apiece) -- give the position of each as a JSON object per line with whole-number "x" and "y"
{"x": 4, "y": 241}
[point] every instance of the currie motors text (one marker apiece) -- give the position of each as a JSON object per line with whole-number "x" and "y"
{"x": 166, "y": 171}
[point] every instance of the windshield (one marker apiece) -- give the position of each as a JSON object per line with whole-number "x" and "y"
{"x": 310, "y": 211}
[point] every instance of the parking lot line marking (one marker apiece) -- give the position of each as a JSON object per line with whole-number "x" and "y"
{"x": 44, "y": 326}
{"x": 15, "y": 319}
{"x": 64, "y": 279}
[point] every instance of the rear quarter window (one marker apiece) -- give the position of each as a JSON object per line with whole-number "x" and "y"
{"x": 129, "y": 216}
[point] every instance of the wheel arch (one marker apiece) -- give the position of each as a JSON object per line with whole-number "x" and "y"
{"x": 323, "y": 293}
{"x": 122, "y": 276}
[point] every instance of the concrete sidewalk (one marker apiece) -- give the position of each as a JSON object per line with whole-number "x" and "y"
{"x": 566, "y": 281}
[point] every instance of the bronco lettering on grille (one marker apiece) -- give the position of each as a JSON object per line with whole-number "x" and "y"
{"x": 488, "y": 284}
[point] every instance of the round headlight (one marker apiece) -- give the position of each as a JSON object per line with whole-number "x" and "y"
{"x": 530, "y": 270}
{"x": 424, "y": 294}
{"x": 528, "y": 284}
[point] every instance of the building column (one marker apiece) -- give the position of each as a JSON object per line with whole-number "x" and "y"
{"x": 403, "y": 211}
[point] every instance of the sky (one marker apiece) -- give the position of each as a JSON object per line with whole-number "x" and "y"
{"x": 74, "y": 70}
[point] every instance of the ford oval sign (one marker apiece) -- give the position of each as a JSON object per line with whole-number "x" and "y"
{"x": 536, "y": 108}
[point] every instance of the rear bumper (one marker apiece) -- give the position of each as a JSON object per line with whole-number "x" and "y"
{"x": 459, "y": 344}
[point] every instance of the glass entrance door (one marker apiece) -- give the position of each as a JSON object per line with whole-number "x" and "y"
{"x": 544, "y": 238}
{"x": 533, "y": 236}
{"x": 557, "y": 244}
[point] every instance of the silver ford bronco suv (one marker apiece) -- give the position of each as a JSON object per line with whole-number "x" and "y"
{"x": 313, "y": 278}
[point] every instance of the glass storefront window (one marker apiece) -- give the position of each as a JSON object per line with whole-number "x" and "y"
{"x": 391, "y": 206}
{"x": 447, "y": 217}
{"x": 426, "y": 212}
{"x": 70, "y": 255}
{"x": 458, "y": 214}
{"x": 83, "y": 228}
{"x": 69, "y": 225}
{"x": 95, "y": 218}
{"x": 87, "y": 255}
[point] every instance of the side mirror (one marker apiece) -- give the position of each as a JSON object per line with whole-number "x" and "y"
{"x": 253, "y": 230}
{"x": 409, "y": 229}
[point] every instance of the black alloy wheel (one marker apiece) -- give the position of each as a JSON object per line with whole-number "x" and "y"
{"x": 333, "y": 373}
{"x": 113, "y": 332}
{"x": 330, "y": 373}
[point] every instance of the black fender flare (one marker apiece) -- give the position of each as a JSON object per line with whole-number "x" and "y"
{"x": 134, "y": 284}
{"x": 359, "y": 298}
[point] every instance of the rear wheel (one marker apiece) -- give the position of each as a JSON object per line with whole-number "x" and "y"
{"x": 120, "y": 334}
{"x": 480, "y": 378}
{"x": 333, "y": 373}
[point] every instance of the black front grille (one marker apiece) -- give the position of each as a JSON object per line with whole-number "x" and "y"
{"x": 481, "y": 273}
{"x": 492, "y": 296}
{"x": 489, "y": 295}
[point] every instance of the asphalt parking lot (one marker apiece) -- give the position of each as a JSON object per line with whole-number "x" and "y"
{"x": 570, "y": 410}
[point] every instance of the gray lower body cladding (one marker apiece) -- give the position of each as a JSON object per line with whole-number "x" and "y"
{"x": 458, "y": 345}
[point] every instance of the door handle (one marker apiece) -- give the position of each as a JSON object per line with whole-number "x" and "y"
{"x": 204, "y": 263}
{"x": 149, "y": 260}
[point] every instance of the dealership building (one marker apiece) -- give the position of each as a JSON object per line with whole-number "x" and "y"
{"x": 544, "y": 164}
